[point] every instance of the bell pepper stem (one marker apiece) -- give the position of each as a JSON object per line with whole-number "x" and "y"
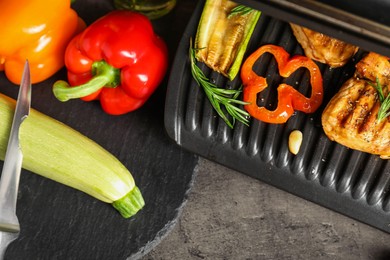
{"x": 104, "y": 75}
{"x": 64, "y": 92}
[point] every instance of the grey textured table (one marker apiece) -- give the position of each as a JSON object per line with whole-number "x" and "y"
{"x": 231, "y": 216}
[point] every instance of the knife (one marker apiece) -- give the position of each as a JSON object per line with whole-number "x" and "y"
{"x": 9, "y": 182}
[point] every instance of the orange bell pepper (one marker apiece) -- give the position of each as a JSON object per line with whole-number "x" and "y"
{"x": 37, "y": 30}
{"x": 289, "y": 99}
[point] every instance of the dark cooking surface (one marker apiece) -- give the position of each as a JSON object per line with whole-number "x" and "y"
{"x": 350, "y": 182}
{"x": 360, "y": 22}
{"x": 58, "y": 222}
{"x": 375, "y": 10}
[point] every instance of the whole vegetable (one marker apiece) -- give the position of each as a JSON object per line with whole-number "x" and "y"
{"x": 33, "y": 30}
{"x": 60, "y": 153}
{"x": 118, "y": 60}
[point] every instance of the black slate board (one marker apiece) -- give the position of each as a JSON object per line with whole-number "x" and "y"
{"x": 58, "y": 222}
{"x": 350, "y": 182}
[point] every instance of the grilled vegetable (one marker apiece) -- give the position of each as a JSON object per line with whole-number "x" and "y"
{"x": 56, "y": 151}
{"x": 220, "y": 97}
{"x": 289, "y": 99}
{"x": 223, "y": 34}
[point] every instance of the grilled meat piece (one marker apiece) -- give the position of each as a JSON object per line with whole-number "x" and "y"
{"x": 322, "y": 48}
{"x": 350, "y": 118}
{"x": 374, "y": 66}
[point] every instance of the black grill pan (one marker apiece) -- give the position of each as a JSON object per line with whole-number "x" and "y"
{"x": 359, "y": 22}
{"x": 350, "y": 182}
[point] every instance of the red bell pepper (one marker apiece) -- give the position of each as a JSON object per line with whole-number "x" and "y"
{"x": 118, "y": 60}
{"x": 289, "y": 99}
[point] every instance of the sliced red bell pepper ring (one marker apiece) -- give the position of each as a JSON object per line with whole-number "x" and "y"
{"x": 289, "y": 99}
{"x": 118, "y": 60}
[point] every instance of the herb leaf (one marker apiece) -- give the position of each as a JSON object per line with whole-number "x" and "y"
{"x": 384, "y": 110}
{"x": 240, "y": 10}
{"x": 219, "y": 96}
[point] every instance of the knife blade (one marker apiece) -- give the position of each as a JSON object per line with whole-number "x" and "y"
{"x": 10, "y": 176}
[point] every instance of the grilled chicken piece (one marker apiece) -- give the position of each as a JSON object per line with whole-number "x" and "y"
{"x": 350, "y": 118}
{"x": 322, "y": 48}
{"x": 374, "y": 66}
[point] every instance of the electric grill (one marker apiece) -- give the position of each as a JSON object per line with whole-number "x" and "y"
{"x": 362, "y": 23}
{"x": 350, "y": 182}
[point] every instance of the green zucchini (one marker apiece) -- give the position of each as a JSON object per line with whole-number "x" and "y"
{"x": 60, "y": 153}
{"x": 223, "y": 34}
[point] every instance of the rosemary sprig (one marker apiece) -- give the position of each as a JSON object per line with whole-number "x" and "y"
{"x": 384, "y": 110}
{"x": 218, "y": 96}
{"x": 240, "y": 10}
